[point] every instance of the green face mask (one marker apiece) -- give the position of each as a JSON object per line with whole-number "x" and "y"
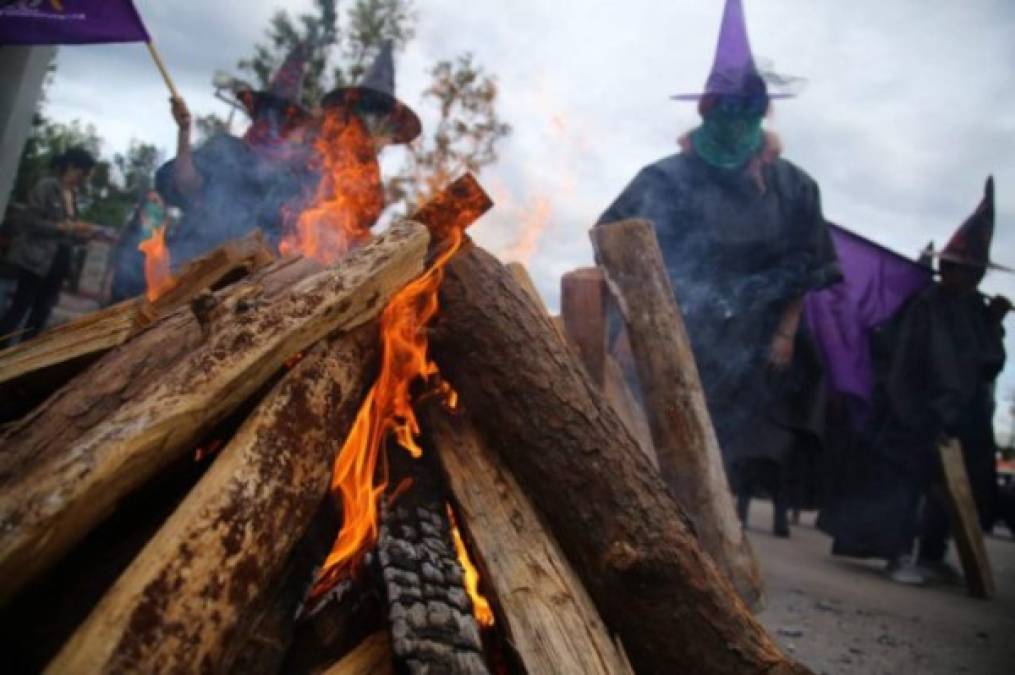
{"x": 728, "y": 136}
{"x": 152, "y": 216}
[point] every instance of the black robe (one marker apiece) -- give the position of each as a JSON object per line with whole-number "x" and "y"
{"x": 242, "y": 189}
{"x": 737, "y": 255}
{"x": 936, "y": 363}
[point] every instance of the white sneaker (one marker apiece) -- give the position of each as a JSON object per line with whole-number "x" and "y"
{"x": 902, "y": 570}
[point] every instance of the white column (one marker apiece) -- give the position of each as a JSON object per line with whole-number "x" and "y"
{"x": 22, "y": 73}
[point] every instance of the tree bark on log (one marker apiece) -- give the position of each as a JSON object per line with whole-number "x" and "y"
{"x": 689, "y": 456}
{"x": 100, "y": 331}
{"x": 524, "y": 279}
{"x": 191, "y": 592}
{"x": 613, "y": 516}
{"x": 545, "y": 614}
{"x": 70, "y": 474}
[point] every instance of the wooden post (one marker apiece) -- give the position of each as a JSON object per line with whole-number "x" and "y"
{"x": 965, "y": 521}
{"x": 583, "y": 308}
{"x": 684, "y": 439}
{"x": 549, "y": 618}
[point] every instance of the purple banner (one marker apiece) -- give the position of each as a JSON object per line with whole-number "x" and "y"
{"x": 877, "y": 283}
{"x": 69, "y": 22}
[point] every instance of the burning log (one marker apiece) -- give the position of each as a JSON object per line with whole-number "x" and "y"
{"x": 626, "y": 537}
{"x": 190, "y": 592}
{"x": 65, "y": 471}
{"x": 549, "y": 620}
{"x": 684, "y": 439}
{"x": 100, "y": 331}
{"x": 432, "y": 626}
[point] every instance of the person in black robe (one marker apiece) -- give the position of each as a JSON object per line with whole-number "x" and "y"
{"x": 743, "y": 239}
{"x": 936, "y": 364}
{"x": 229, "y": 186}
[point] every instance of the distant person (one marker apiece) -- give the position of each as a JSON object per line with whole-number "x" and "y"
{"x": 940, "y": 358}
{"x": 743, "y": 239}
{"x": 43, "y": 243}
{"x": 126, "y": 260}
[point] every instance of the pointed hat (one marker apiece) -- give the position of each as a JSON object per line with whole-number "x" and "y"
{"x": 285, "y": 85}
{"x": 970, "y": 245}
{"x": 733, "y": 70}
{"x": 375, "y": 94}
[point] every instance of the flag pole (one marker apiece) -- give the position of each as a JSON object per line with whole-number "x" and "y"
{"x": 162, "y": 69}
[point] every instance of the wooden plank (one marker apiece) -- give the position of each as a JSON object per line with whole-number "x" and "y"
{"x": 965, "y": 522}
{"x": 65, "y": 477}
{"x": 549, "y": 618}
{"x": 100, "y": 331}
{"x": 371, "y": 657}
{"x": 682, "y": 433}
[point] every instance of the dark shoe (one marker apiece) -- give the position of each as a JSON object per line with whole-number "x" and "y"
{"x": 743, "y": 506}
{"x": 780, "y": 524}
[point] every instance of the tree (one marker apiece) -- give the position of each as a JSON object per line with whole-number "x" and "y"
{"x": 468, "y": 128}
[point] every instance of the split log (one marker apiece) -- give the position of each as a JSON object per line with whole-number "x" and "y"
{"x": 544, "y": 612}
{"x": 100, "y": 331}
{"x": 524, "y": 280}
{"x": 583, "y": 308}
{"x": 965, "y": 521}
{"x": 609, "y": 509}
{"x": 685, "y": 443}
{"x": 191, "y": 591}
{"x": 371, "y": 657}
{"x": 71, "y": 467}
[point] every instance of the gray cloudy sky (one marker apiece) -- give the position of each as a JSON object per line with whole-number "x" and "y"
{"x": 909, "y": 104}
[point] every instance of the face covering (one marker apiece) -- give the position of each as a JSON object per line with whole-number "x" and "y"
{"x": 729, "y": 135}
{"x": 153, "y": 215}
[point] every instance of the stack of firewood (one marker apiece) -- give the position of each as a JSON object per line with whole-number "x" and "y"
{"x": 602, "y": 529}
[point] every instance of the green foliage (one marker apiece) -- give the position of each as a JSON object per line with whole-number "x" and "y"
{"x": 466, "y": 135}
{"x": 467, "y": 130}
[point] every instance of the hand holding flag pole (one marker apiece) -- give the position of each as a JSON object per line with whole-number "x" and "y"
{"x": 157, "y": 58}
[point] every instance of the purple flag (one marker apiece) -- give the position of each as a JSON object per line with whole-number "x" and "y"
{"x": 69, "y": 22}
{"x": 877, "y": 282}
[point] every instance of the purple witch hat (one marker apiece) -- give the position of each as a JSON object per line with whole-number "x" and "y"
{"x": 283, "y": 91}
{"x": 970, "y": 245}
{"x": 734, "y": 70}
{"x": 375, "y": 95}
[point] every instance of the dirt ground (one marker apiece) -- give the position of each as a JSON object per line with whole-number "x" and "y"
{"x": 845, "y": 617}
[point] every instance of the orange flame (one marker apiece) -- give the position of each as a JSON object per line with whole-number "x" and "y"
{"x": 480, "y": 605}
{"x": 386, "y": 410}
{"x": 349, "y": 196}
{"x": 157, "y": 274}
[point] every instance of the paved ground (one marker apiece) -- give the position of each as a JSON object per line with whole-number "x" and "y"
{"x": 844, "y": 617}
